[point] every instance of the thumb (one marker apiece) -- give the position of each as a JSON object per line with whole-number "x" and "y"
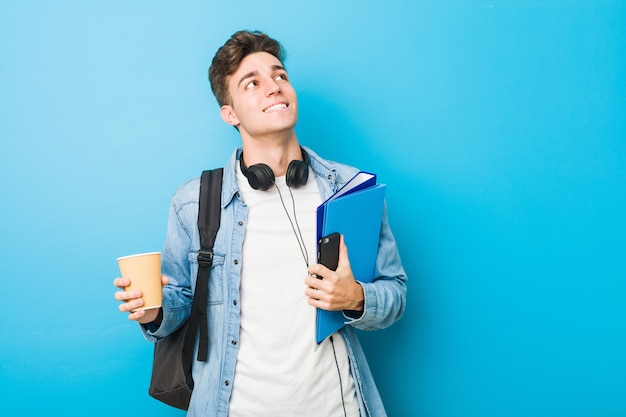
{"x": 343, "y": 253}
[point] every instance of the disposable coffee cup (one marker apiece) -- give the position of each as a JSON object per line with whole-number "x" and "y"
{"x": 144, "y": 272}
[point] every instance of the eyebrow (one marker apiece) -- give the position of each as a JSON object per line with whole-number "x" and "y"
{"x": 256, "y": 73}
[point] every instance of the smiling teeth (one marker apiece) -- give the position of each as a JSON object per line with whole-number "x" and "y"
{"x": 275, "y": 107}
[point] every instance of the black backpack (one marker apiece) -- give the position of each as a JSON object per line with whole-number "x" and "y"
{"x": 172, "y": 381}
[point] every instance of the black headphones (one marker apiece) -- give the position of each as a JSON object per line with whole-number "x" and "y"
{"x": 261, "y": 177}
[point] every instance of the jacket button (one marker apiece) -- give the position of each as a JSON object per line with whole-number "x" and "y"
{"x": 226, "y": 383}
{"x": 240, "y": 223}
{"x": 234, "y": 343}
{"x": 236, "y": 262}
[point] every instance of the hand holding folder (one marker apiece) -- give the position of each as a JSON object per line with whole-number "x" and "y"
{"x": 355, "y": 211}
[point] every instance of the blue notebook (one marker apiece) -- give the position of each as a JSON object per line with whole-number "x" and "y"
{"x": 355, "y": 211}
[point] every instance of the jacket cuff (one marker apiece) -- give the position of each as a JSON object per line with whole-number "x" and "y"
{"x": 370, "y": 307}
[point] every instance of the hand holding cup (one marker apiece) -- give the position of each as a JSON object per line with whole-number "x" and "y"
{"x": 141, "y": 284}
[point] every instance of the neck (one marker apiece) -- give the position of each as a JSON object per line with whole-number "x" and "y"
{"x": 275, "y": 153}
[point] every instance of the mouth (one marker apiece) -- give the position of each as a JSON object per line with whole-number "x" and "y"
{"x": 276, "y": 107}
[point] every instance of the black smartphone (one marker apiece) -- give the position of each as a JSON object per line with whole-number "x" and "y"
{"x": 328, "y": 251}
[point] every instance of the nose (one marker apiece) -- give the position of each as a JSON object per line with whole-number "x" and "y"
{"x": 273, "y": 87}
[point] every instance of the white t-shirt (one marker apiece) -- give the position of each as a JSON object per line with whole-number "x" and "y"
{"x": 281, "y": 371}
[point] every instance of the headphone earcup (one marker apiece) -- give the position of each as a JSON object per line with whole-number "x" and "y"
{"x": 260, "y": 176}
{"x": 297, "y": 173}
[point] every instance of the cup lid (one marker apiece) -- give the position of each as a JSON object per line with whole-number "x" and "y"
{"x": 138, "y": 254}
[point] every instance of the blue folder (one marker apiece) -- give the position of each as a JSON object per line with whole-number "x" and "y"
{"x": 355, "y": 211}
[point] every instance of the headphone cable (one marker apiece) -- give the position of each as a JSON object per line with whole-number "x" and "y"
{"x": 305, "y": 253}
{"x": 332, "y": 342}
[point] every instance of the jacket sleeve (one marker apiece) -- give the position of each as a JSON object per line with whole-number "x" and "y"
{"x": 178, "y": 294}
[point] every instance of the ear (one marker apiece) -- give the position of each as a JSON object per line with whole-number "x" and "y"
{"x": 228, "y": 115}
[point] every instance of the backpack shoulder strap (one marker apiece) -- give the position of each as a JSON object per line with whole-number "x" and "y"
{"x": 209, "y": 212}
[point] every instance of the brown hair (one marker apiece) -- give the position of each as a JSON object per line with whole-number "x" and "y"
{"x": 229, "y": 56}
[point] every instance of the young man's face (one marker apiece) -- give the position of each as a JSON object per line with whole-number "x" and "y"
{"x": 262, "y": 98}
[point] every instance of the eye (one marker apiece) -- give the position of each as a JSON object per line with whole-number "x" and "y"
{"x": 251, "y": 84}
{"x": 281, "y": 77}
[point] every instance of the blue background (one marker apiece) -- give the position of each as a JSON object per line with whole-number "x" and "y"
{"x": 499, "y": 127}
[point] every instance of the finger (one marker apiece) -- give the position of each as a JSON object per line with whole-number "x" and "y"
{"x": 324, "y": 305}
{"x": 343, "y": 252}
{"x": 128, "y": 295}
{"x": 319, "y": 271}
{"x": 316, "y": 294}
{"x": 136, "y": 315}
{"x": 313, "y": 269}
{"x": 121, "y": 282}
{"x": 309, "y": 292}
{"x": 314, "y": 281}
{"x": 131, "y": 306}
{"x": 164, "y": 280}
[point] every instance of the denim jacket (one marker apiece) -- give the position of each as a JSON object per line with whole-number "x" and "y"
{"x": 384, "y": 297}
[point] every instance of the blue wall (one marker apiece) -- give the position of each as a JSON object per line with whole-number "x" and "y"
{"x": 499, "y": 127}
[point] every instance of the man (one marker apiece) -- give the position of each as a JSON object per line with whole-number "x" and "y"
{"x": 263, "y": 358}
